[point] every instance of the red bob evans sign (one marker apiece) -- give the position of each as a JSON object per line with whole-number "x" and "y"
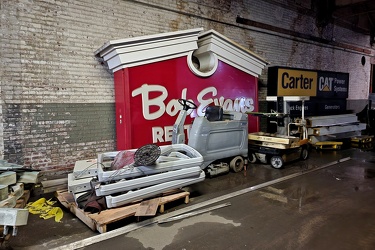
{"x": 152, "y": 72}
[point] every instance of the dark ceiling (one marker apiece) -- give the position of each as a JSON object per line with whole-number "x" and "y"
{"x": 358, "y": 15}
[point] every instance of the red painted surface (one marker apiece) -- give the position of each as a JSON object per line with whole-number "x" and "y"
{"x": 141, "y": 111}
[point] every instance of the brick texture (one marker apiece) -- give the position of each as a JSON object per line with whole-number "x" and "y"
{"x": 57, "y": 98}
{"x": 55, "y": 135}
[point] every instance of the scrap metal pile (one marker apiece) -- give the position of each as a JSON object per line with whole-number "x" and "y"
{"x": 118, "y": 178}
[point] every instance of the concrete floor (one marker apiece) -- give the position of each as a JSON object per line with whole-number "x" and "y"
{"x": 330, "y": 208}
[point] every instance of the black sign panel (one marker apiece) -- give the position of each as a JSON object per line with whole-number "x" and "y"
{"x": 332, "y": 84}
{"x": 295, "y": 108}
{"x": 318, "y": 107}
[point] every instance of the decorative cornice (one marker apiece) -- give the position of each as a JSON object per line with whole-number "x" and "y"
{"x": 135, "y": 51}
{"x": 208, "y": 47}
{"x": 231, "y": 52}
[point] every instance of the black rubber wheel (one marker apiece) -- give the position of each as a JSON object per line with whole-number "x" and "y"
{"x": 304, "y": 153}
{"x": 252, "y": 158}
{"x": 147, "y": 155}
{"x": 277, "y": 162}
{"x": 237, "y": 164}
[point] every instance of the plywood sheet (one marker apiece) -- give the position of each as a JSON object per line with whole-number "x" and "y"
{"x": 148, "y": 207}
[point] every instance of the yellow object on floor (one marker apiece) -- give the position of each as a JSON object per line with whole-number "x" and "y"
{"x": 328, "y": 145}
{"x": 45, "y": 209}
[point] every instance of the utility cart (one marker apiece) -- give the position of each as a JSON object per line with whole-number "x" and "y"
{"x": 219, "y": 136}
{"x": 276, "y": 149}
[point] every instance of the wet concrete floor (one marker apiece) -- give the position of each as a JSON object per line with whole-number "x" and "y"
{"x": 331, "y": 208}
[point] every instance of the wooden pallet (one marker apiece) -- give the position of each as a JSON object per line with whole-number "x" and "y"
{"x": 22, "y": 201}
{"x": 328, "y": 145}
{"x": 100, "y": 221}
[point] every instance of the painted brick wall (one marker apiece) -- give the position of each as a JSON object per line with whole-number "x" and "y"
{"x": 55, "y": 135}
{"x": 57, "y": 98}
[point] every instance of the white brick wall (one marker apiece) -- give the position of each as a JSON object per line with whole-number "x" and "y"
{"x": 47, "y": 48}
{"x": 50, "y": 44}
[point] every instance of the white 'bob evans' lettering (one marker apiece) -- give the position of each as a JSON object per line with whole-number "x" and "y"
{"x": 205, "y": 97}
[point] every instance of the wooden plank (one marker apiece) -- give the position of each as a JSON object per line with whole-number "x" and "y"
{"x": 65, "y": 197}
{"x": 148, "y": 207}
{"x": 114, "y": 214}
{"x": 22, "y": 201}
{"x": 83, "y": 216}
{"x": 172, "y": 191}
{"x": 173, "y": 197}
{"x": 67, "y": 200}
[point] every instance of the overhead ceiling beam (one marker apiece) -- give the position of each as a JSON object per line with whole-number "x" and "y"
{"x": 354, "y": 9}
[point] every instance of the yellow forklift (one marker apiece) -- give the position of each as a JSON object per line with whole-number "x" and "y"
{"x": 281, "y": 147}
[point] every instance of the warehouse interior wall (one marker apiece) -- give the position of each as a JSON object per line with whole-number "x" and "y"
{"x": 57, "y": 98}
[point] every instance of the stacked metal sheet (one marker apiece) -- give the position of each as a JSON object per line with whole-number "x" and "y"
{"x": 80, "y": 180}
{"x": 326, "y": 128}
{"x": 177, "y": 166}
